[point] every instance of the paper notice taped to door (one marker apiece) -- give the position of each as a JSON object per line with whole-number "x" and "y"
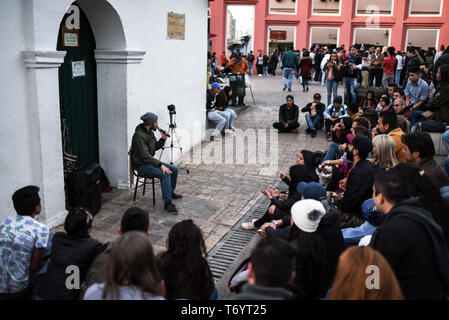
{"x": 78, "y": 69}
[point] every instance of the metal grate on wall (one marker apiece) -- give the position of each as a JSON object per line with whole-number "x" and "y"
{"x": 229, "y": 248}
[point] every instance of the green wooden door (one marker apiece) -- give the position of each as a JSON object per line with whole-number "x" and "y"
{"x": 78, "y": 92}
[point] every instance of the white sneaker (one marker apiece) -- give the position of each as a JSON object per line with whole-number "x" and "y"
{"x": 228, "y": 131}
{"x": 248, "y": 226}
{"x": 260, "y": 75}
{"x": 232, "y": 128}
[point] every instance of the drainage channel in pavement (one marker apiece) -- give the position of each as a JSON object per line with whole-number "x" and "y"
{"x": 225, "y": 253}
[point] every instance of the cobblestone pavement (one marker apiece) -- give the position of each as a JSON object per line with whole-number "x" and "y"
{"x": 216, "y": 196}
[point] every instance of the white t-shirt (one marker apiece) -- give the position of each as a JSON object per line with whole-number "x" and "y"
{"x": 399, "y": 58}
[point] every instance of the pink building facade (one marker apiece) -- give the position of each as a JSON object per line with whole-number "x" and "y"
{"x": 401, "y": 20}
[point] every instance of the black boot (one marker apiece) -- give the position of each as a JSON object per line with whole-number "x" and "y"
{"x": 169, "y": 207}
{"x": 176, "y": 196}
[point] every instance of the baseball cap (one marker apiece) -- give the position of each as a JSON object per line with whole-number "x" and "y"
{"x": 312, "y": 190}
{"x": 216, "y": 85}
{"x": 317, "y": 96}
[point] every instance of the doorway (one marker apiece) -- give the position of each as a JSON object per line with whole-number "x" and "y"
{"x": 78, "y": 92}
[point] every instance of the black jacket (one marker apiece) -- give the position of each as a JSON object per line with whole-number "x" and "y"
{"x": 66, "y": 251}
{"x": 329, "y": 228}
{"x": 359, "y": 187}
{"x": 289, "y": 116}
{"x": 210, "y": 100}
{"x": 415, "y": 247}
{"x": 255, "y": 292}
{"x": 444, "y": 59}
{"x": 320, "y": 107}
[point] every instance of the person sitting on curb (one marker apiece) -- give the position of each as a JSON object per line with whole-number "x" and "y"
{"x": 221, "y": 118}
{"x": 314, "y": 115}
{"x": 333, "y": 113}
{"x": 358, "y": 184}
{"x": 270, "y": 270}
{"x": 288, "y": 116}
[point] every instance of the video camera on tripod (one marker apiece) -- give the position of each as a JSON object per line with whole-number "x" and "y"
{"x": 172, "y": 134}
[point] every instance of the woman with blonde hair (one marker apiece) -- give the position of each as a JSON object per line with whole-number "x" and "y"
{"x": 384, "y": 156}
{"x": 364, "y": 274}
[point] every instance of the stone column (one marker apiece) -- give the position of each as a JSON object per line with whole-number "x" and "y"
{"x": 43, "y": 85}
{"x": 115, "y": 74}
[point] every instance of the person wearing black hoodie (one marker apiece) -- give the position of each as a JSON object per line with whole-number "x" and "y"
{"x": 278, "y": 207}
{"x": 71, "y": 248}
{"x": 358, "y": 184}
{"x": 410, "y": 240}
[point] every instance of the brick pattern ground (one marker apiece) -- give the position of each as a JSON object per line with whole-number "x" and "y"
{"x": 216, "y": 196}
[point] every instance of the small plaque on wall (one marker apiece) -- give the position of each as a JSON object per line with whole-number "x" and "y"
{"x": 69, "y": 37}
{"x": 176, "y": 26}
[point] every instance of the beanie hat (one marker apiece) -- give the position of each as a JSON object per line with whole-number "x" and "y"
{"x": 363, "y": 145}
{"x": 312, "y": 190}
{"x": 307, "y": 214}
{"x": 317, "y": 96}
{"x": 149, "y": 118}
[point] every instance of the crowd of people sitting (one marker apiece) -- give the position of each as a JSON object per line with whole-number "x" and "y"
{"x": 71, "y": 265}
{"x": 375, "y": 200}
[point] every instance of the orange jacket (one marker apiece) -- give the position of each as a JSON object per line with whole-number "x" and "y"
{"x": 396, "y": 134}
{"x": 238, "y": 68}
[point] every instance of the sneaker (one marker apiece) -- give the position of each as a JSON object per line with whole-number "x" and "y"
{"x": 248, "y": 226}
{"x": 169, "y": 207}
{"x": 212, "y": 138}
{"x": 228, "y": 131}
{"x": 328, "y": 137}
{"x": 313, "y": 133}
{"x": 217, "y": 138}
{"x": 260, "y": 75}
{"x": 232, "y": 128}
{"x": 284, "y": 89}
{"x": 176, "y": 196}
{"x": 308, "y": 131}
{"x": 289, "y": 89}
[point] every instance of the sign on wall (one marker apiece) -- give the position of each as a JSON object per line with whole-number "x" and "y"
{"x": 278, "y": 35}
{"x": 176, "y": 26}
{"x": 78, "y": 69}
{"x": 69, "y": 37}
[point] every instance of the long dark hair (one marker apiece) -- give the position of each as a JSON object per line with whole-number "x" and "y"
{"x": 132, "y": 262}
{"x": 78, "y": 222}
{"x": 429, "y": 196}
{"x": 311, "y": 281}
{"x": 444, "y": 73}
{"x": 186, "y": 271}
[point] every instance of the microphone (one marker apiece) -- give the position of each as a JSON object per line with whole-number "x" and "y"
{"x": 162, "y": 131}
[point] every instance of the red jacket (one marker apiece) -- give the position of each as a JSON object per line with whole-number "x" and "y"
{"x": 305, "y": 65}
{"x": 389, "y": 64}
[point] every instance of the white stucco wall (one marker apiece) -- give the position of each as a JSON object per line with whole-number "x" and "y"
{"x": 171, "y": 72}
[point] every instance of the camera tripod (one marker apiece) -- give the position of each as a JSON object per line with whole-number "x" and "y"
{"x": 173, "y": 138}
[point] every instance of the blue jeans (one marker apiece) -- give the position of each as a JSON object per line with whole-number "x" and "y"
{"x": 352, "y": 236}
{"x": 397, "y": 77}
{"x": 332, "y": 152}
{"x": 350, "y": 86}
{"x": 250, "y": 68}
{"x": 221, "y": 118}
{"x": 305, "y": 82}
{"x": 232, "y": 116}
{"x": 265, "y": 70}
{"x": 313, "y": 122}
{"x": 288, "y": 74}
{"x": 323, "y": 77}
{"x": 416, "y": 117}
{"x": 446, "y": 143}
{"x": 332, "y": 87}
{"x": 168, "y": 181}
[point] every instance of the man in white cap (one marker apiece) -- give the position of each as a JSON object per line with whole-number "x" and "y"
{"x": 144, "y": 146}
